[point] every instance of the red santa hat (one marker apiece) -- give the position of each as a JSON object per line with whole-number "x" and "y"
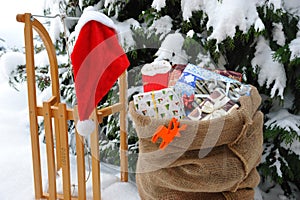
{"x": 98, "y": 60}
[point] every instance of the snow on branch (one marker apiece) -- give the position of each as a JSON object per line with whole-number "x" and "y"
{"x": 158, "y": 4}
{"x": 188, "y": 7}
{"x": 284, "y": 120}
{"x": 10, "y": 61}
{"x": 294, "y": 146}
{"x": 172, "y": 51}
{"x": 162, "y": 26}
{"x": 108, "y": 2}
{"x": 278, "y": 34}
{"x": 294, "y": 47}
{"x": 224, "y": 16}
{"x": 270, "y": 71}
{"x": 277, "y": 163}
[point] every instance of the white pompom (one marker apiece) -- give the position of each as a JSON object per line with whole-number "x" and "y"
{"x": 85, "y": 127}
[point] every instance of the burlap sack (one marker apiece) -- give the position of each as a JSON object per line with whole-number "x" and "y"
{"x": 213, "y": 159}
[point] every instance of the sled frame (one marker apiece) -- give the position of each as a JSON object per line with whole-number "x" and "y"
{"x": 56, "y": 116}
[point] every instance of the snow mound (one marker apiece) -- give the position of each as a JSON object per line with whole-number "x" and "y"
{"x": 120, "y": 191}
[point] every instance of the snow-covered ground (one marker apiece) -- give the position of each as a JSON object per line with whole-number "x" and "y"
{"x": 16, "y": 177}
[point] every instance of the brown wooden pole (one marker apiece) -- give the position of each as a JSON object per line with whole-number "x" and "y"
{"x": 80, "y": 161}
{"x": 50, "y": 150}
{"x": 64, "y": 150}
{"x": 30, "y": 70}
{"x": 95, "y": 151}
{"x": 123, "y": 128}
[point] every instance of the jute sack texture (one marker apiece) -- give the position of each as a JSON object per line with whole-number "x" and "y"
{"x": 213, "y": 159}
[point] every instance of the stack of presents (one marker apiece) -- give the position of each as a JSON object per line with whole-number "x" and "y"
{"x": 188, "y": 91}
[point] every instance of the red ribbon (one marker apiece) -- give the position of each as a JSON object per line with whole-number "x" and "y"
{"x": 187, "y": 101}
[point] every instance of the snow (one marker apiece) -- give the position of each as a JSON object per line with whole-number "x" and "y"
{"x": 80, "y": 3}
{"x": 292, "y": 6}
{"x": 9, "y": 61}
{"x": 107, "y": 2}
{"x": 270, "y": 71}
{"x": 206, "y": 60}
{"x": 188, "y": 7}
{"x": 278, "y": 34}
{"x": 294, "y": 47}
{"x": 276, "y": 4}
{"x": 162, "y": 26}
{"x": 125, "y": 34}
{"x": 158, "y": 4}
{"x": 172, "y": 51}
{"x": 294, "y": 147}
{"x": 283, "y": 119}
{"x": 3, "y": 45}
{"x": 224, "y": 16}
{"x": 277, "y": 163}
{"x": 56, "y": 26}
{"x": 11, "y": 30}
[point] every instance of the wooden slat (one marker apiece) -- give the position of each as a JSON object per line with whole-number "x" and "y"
{"x": 29, "y": 51}
{"x": 103, "y": 112}
{"x": 57, "y": 144}
{"x": 123, "y": 131}
{"x": 64, "y": 150}
{"x": 95, "y": 158}
{"x": 50, "y": 150}
{"x": 80, "y": 160}
{"x": 54, "y": 112}
{"x": 50, "y": 48}
{"x": 100, "y": 113}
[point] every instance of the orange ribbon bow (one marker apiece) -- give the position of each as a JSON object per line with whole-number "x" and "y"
{"x": 168, "y": 134}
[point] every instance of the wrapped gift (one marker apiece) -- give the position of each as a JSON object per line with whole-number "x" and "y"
{"x": 230, "y": 74}
{"x": 187, "y": 81}
{"x": 232, "y": 90}
{"x": 159, "y": 104}
{"x": 175, "y": 73}
{"x": 155, "y": 76}
{"x": 216, "y": 105}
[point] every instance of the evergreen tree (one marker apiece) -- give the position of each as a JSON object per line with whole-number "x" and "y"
{"x": 259, "y": 38}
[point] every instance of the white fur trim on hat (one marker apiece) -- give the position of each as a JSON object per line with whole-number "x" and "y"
{"x": 90, "y": 14}
{"x": 85, "y": 127}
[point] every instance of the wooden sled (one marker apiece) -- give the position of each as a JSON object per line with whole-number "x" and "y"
{"x": 56, "y": 116}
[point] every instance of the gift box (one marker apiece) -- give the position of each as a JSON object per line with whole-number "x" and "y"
{"x": 232, "y": 90}
{"x": 163, "y": 104}
{"x": 155, "y": 76}
{"x": 187, "y": 81}
{"x": 216, "y": 105}
{"x": 230, "y": 74}
{"x": 175, "y": 74}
